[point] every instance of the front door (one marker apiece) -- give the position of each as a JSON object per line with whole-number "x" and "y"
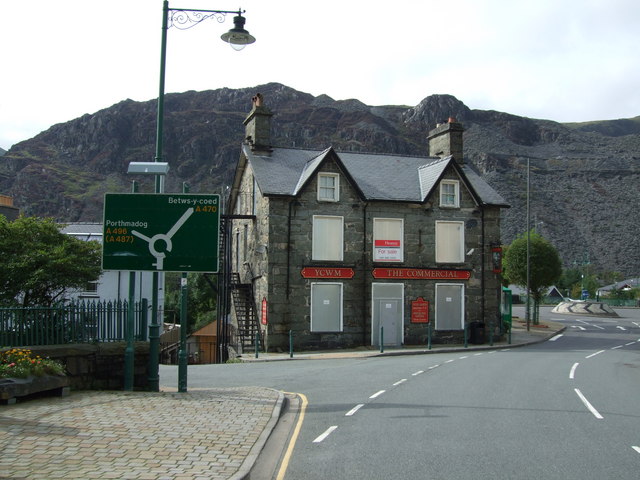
{"x": 387, "y": 307}
{"x": 389, "y": 320}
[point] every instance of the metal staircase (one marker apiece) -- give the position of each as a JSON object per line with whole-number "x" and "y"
{"x": 246, "y": 314}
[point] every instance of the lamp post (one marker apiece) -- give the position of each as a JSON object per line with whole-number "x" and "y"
{"x": 238, "y": 38}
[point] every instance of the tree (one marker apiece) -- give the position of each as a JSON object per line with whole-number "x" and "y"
{"x": 545, "y": 267}
{"x": 39, "y": 263}
{"x": 201, "y": 301}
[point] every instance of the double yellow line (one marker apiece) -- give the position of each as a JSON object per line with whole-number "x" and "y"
{"x": 294, "y": 437}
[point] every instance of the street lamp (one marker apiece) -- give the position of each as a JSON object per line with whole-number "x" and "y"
{"x": 238, "y": 38}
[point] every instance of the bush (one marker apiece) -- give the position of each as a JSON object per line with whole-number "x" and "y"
{"x": 22, "y": 363}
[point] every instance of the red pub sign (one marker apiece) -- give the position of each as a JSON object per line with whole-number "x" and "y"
{"x": 327, "y": 272}
{"x": 421, "y": 274}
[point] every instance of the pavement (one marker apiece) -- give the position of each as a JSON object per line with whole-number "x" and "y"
{"x": 215, "y": 433}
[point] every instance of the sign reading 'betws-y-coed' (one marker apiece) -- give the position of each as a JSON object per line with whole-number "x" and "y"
{"x": 161, "y": 232}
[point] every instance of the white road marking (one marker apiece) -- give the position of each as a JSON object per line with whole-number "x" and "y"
{"x": 594, "y": 354}
{"x": 553, "y": 339}
{"x": 573, "y": 371}
{"x": 637, "y": 449}
{"x": 588, "y": 405}
{"x": 399, "y": 382}
{"x": 462, "y": 358}
{"x": 578, "y": 326}
{"x": 621, "y": 328}
{"x": 478, "y": 354}
{"x": 630, "y": 343}
{"x": 417, "y": 373}
{"x": 590, "y": 324}
{"x": 449, "y": 361}
{"x": 327, "y": 432}
{"x": 615, "y": 348}
{"x": 434, "y": 366}
{"x": 377, "y": 394}
{"x": 354, "y": 410}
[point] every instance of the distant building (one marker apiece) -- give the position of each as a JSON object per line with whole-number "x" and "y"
{"x": 624, "y": 285}
{"x": 339, "y": 248}
{"x": 7, "y": 209}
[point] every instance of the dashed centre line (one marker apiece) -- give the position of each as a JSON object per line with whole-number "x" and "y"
{"x": 354, "y": 410}
{"x": 573, "y": 371}
{"x": 590, "y": 407}
{"x": 377, "y": 394}
{"x": 399, "y": 382}
{"x": 594, "y": 354}
{"x": 417, "y": 373}
{"x": 326, "y": 433}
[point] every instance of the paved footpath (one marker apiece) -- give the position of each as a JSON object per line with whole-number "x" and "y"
{"x": 197, "y": 435}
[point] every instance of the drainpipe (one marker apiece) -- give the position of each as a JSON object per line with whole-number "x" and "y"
{"x": 364, "y": 275}
{"x": 291, "y": 204}
{"x": 482, "y": 268}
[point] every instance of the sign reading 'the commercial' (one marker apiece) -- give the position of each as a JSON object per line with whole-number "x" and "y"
{"x": 421, "y": 273}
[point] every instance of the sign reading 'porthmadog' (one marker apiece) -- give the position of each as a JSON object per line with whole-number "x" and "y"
{"x": 161, "y": 232}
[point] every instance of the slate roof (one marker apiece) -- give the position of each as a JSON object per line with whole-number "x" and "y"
{"x": 375, "y": 176}
{"x": 84, "y": 231}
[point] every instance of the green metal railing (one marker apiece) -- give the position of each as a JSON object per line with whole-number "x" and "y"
{"x": 76, "y": 322}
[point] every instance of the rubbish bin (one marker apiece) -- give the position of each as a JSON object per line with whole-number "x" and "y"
{"x": 476, "y": 333}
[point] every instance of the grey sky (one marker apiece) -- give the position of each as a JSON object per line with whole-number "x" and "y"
{"x": 563, "y": 60}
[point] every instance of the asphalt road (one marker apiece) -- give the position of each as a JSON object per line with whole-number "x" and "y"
{"x": 567, "y": 408}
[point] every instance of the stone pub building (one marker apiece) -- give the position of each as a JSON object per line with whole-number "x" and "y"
{"x": 331, "y": 246}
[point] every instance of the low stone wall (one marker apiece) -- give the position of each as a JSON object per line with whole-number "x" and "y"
{"x": 98, "y": 366}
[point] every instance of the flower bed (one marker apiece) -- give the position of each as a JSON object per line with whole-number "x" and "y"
{"x": 22, "y": 373}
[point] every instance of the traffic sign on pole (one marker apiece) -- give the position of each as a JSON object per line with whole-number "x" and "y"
{"x": 161, "y": 232}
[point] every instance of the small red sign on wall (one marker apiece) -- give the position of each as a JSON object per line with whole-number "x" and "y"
{"x": 496, "y": 259}
{"x": 263, "y": 317}
{"x": 420, "y": 311}
{"x": 327, "y": 272}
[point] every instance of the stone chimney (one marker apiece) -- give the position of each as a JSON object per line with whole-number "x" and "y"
{"x": 258, "y": 126}
{"x": 446, "y": 139}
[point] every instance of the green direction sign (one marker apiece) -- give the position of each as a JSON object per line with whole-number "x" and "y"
{"x": 161, "y": 232}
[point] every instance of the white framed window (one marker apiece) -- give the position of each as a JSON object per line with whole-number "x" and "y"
{"x": 91, "y": 288}
{"x": 327, "y": 242}
{"x": 328, "y": 187}
{"x": 449, "y": 242}
{"x": 326, "y": 307}
{"x": 388, "y": 234}
{"x": 450, "y": 193}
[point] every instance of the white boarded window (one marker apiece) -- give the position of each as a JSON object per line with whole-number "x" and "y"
{"x": 327, "y": 238}
{"x": 328, "y": 187}
{"x": 326, "y": 307}
{"x": 449, "y": 242}
{"x": 388, "y": 239}
{"x": 450, "y": 193}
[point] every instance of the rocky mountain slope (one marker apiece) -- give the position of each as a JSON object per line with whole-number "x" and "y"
{"x": 584, "y": 178}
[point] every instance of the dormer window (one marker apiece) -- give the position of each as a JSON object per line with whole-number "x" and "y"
{"x": 328, "y": 187}
{"x": 450, "y": 193}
